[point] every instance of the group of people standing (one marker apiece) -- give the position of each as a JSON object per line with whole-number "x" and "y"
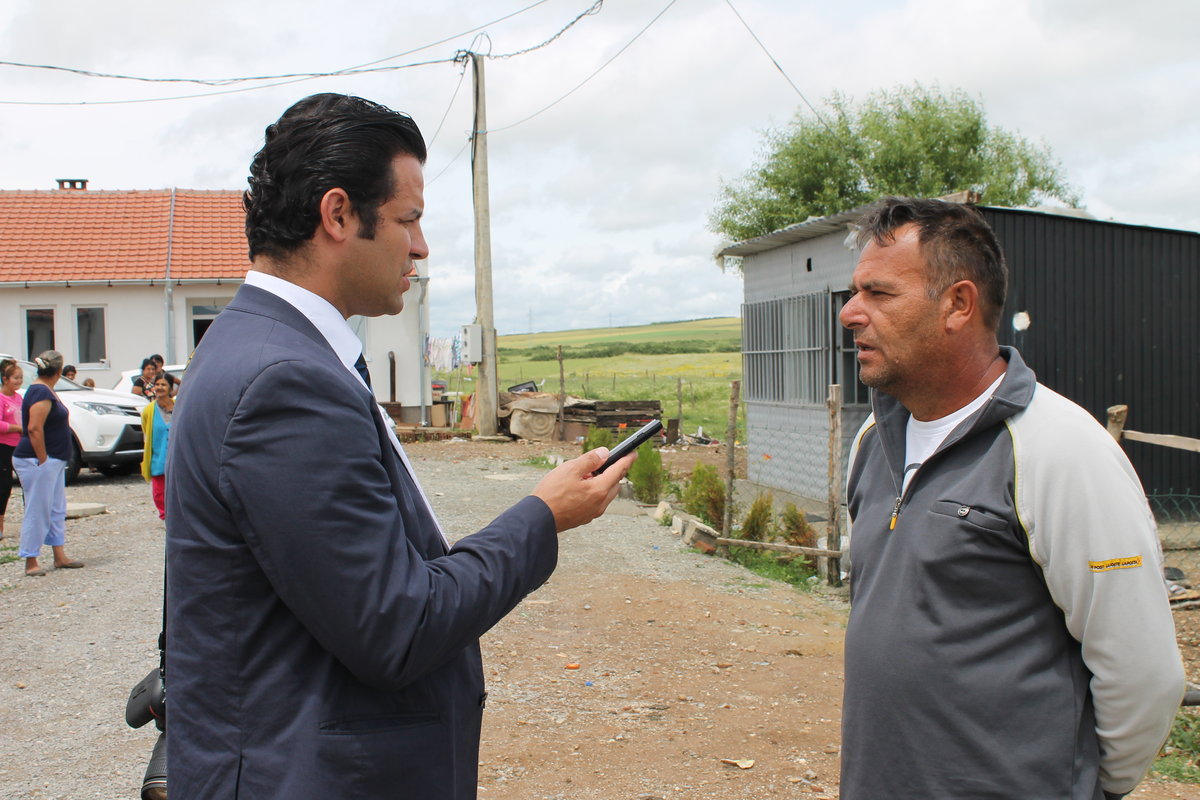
{"x": 156, "y": 428}
{"x": 36, "y": 442}
{"x": 158, "y": 386}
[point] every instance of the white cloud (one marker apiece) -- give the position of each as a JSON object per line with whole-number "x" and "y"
{"x": 600, "y": 203}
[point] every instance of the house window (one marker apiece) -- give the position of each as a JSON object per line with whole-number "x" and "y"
{"x": 203, "y": 312}
{"x": 854, "y": 391}
{"x": 786, "y": 348}
{"x": 39, "y": 331}
{"x": 89, "y": 329}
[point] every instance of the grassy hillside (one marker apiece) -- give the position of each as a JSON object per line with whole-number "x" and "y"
{"x": 716, "y": 328}
{"x": 701, "y": 379}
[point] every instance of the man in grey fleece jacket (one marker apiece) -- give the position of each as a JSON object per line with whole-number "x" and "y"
{"x": 1010, "y": 634}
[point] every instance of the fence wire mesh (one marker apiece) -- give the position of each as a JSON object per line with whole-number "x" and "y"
{"x": 1178, "y": 517}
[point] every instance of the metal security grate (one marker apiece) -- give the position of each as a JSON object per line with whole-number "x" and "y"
{"x": 786, "y": 349}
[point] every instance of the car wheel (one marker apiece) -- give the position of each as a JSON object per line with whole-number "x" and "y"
{"x": 74, "y": 463}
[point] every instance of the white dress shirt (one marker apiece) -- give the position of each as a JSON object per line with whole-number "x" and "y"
{"x": 332, "y": 325}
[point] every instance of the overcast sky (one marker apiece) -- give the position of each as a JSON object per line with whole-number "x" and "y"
{"x": 599, "y": 202}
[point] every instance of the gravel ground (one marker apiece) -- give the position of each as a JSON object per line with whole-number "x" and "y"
{"x": 677, "y": 660}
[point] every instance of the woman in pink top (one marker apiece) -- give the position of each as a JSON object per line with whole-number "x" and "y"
{"x": 11, "y": 378}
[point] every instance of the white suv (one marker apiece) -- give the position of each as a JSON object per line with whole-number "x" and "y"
{"x": 106, "y": 426}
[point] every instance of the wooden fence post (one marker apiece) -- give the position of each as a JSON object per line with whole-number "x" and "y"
{"x": 730, "y": 456}
{"x": 1116, "y": 420}
{"x": 562, "y": 395}
{"x": 834, "y": 530}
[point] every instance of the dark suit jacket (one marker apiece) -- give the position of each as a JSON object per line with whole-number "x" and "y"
{"x": 322, "y": 643}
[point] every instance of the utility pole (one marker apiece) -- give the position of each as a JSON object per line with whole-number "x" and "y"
{"x": 486, "y": 389}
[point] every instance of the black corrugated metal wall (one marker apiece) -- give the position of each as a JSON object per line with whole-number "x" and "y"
{"x": 1115, "y": 313}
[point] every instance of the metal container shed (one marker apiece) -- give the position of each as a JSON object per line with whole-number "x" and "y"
{"x": 1111, "y": 312}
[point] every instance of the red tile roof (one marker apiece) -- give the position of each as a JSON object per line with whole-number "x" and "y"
{"x": 72, "y": 235}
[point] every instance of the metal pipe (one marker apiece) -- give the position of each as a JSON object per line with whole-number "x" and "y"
{"x": 168, "y": 295}
{"x": 422, "y": 335}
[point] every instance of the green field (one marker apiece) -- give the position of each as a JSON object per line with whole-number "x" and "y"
{"x": 700, "y": 379}
{"x": 716, "y": 328}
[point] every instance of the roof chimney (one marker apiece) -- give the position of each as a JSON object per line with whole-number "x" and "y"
{"x": 72, "y": 184}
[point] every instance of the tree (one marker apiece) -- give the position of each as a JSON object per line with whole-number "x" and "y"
{"x": 911, "y": 141}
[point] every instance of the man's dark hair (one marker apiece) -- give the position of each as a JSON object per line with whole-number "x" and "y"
{"x": 323, "y": 142}
{"x": 148, "y": 362}
{"x": 956, "y": 241}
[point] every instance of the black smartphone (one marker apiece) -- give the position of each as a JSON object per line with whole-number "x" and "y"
{"x": 632, "y": 443}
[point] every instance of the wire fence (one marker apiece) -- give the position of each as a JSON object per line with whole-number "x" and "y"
{"x": 1178, "y": 517}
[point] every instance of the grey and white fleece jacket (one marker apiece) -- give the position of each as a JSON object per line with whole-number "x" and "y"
{"x": 1011, "y": 636}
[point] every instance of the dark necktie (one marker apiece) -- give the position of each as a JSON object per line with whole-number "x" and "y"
{"x": 361, "y": 366}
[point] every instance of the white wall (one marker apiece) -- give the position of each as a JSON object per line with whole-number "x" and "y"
{"x": 133, "y": 317}
{"x": 398, "y": 335}
{"x": 135, "y": 327}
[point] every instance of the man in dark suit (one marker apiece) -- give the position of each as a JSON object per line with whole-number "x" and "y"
{"x": 322, "y": 635}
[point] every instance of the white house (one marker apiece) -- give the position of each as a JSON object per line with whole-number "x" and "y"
{"x": 110, "y": 277}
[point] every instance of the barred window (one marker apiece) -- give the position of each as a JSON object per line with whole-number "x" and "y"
{"x": 794, "y": 347}
{"x": 786, "y": 349}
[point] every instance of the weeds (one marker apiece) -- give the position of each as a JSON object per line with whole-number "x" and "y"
{"x": 647, "y": 474}
{"x": 1180, "y": 759}
{"x": 597, "y": 437}
{"x": 795, "y": 529}
{"x": 789, "y": 569}
{"x": 759, "y": 525}
{"x": 704, "y": 495}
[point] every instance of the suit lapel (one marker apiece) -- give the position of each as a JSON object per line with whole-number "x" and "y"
{"x": 420, "y": 528}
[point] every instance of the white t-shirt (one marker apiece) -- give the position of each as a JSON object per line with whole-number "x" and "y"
{"x": 923, "y": 438}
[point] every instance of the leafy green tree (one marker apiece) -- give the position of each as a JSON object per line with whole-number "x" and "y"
{"x": 911, "y": 141}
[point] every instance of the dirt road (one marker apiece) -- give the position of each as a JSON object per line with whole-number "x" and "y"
{"x": 631, "y": 675}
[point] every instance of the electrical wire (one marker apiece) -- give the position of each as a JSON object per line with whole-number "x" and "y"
{"x": 449, "y": 163}
{"x": 796, "y": 88}
{"x": 221, "y": 92}
{"x": 462, "y": 72}
{"x": 593, "y": 10}
{"x": 353, "y": 70}
{"x": 600, "y": 69}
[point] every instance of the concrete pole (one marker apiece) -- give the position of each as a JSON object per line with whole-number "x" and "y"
{"x": 486, "y": 389}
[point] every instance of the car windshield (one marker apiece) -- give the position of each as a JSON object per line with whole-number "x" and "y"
{"x": 63, "y": 385}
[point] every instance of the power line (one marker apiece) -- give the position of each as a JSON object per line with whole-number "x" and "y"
{"x": 594, "y": 9}
{"x": 461, "y": 74}
{"x": 796, "y": 88}
{"x": 594, "y": 74}
{"x": 353, "y": 70}
{"x": 279, "y": 80}
{"x": 300, "y": 79}
{"x": 449, "y": 163}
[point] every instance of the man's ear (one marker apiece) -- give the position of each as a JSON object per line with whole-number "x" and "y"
{"x": 962, "y": 305}
{"x": 336, "y": 214}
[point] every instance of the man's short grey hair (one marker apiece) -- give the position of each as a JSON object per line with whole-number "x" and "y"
{"x": 956, "y": 241}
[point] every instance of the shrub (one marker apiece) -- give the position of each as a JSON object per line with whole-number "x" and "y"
{"x": 597, "y": 437}
{"x": 758, "y": 525}
{"x": 1180, "y": 758}
{"x": 647, "y": 474}
{"x": 704, "y": 495}
{"x": 796, "y": 571}
{"x": 795, "y": 527}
